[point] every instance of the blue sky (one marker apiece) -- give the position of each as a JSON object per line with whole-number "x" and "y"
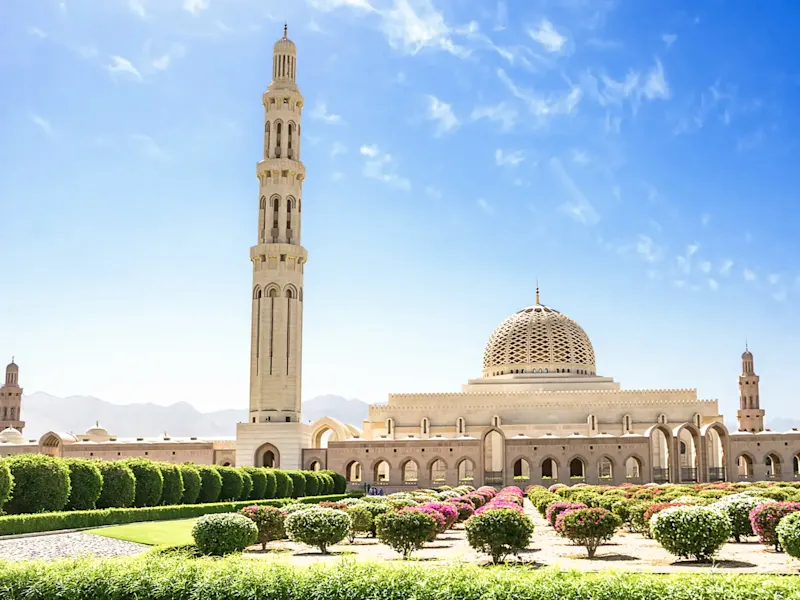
{"x": 639, "y": 158}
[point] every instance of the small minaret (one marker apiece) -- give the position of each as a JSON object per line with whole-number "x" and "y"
{"x": 750, "y": 415}
{"x": 11, "y": 399}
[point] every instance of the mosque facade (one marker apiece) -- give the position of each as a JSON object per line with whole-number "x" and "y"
{"x": 538, "y": 414}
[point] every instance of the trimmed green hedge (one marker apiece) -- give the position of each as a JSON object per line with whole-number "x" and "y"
{"x": 76, "y": 519}
{"x": 236, "y": 577}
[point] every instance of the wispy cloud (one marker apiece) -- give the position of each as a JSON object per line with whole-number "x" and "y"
{"x": 547, "y": 36}
{"x": 669, "y": 39}
{"x": 579, "y": 157}
{"x": 195, "y": 7}
{"x": 704, "y": 266}
{"x": 147, "y": 145}
{"x": 726, "y": 267}
{"x": 413, "y": 26}
{"x": 442, "y": 114}
{"x": 713, "y": 285}
{"x": 337, "y": 149}
{"x": 36, "y": 32}
{"x": 380, "y": 166}
{"x": 121, "y": 66}
{"x": 163, "y": 62}
{"x": 656, "y": 85}
{"x": 137, "y": 8}
{"x": 500, "y": 113}
{"x": 42, "y": 124}
{"x": 749, "y": 275}
{"x": 508, "y": 159}
{"x": 543, "y": 106}
{"x": 773, "y": 278}
{"x": 320, "y": 112}
{"x": 487, "y": 208}
{"x": 648, "y": 249}
{"x": 705, "y": 219}
{"x": 578, "y": 206}
{"x": 327, "y": 5}
{"x": 635, "y": 87}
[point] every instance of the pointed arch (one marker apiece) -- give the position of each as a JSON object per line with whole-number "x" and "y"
{"x": 409, "y": 470}
{"x": 321, "y": 427}
{"x": 606, "y": 468}
{"x": 548, "y": 467}
{"x": 465, "y": 468}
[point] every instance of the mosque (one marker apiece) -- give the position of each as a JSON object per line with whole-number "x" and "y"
{"x": 538, "y": 414}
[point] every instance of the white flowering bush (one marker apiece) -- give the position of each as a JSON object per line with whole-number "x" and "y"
{"x": 738, "y": 507}
{"x": 788, "y": 531}
{"x": 687, "y": 500}
{"x": 696, "y": 532}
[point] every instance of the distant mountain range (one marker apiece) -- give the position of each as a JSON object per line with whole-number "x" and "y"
{"x": 43, "y": 412}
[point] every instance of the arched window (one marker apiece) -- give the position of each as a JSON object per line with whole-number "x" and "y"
{"x": 410, "y": 472}
{"x": 425, "y": 426}
{"x": 276, "y": 205}
{"x": 495, "y": 421}
{"x": 278, "y": 131}
{"x": 289, "y": 148}
{"x": 289, "y": 206}
{"x": 461, "y": 427}
{"x": 626, "y": 424}
{"x": 266, "y": 139}
{"x": 466, "y": 472}
{"x": 353, "y": 472}
{"x": 592, "y": 421}
{"x": 697, "y": 419}
{"x": 390, "y": 426}
{"x": 382, "y": 472}
{"x": 438, "y": 472}
{"x": 662, "y": 419}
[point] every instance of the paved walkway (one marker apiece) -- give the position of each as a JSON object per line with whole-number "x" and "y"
{"x": 66, "y": 545}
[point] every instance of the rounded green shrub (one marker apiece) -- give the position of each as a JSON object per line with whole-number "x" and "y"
{"x": 149, "y": 482}
{"x": 298, "y": 483}
{"x": 361, "y": 520}
{"x": 499, "y": 532}
{"x": 405, "y": 531}
{"x": 269, "y": 520}
{"x": 696, "y": 532}
{"x": 231, "y": 483}
{"x": 270, "y": 491}
{"x": 247, "y": 484}
{"x": 588, "y": 527}
{"x": 311, "y": 483}
{"x": 283, "y": 484}
{"x": 339, "y": 481}
{"x": 41, "y": 484}
{"x": 119, "y": 485}
{"x": 738, "y": 508}
{"x": 172, "y": 490}
{"x": 259, "y": 479}
{"x": 376, "y": 509}
{"x": 327, "y": 483}
{"x": 320, "y": 527}
{"x": 86, "y": 483}
{"x": 220, "y": 534}
{"x": 191, "y": 483}
{"x": 210, "y": 484}
{"x": 788, "y": 531}
{"x": 6, "y": 482}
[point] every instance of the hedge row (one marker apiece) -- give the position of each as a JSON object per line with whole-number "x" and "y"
{"x": 37, "y": 523}
{"x": 237, "y": 578}
{"x": 33, "y": 483}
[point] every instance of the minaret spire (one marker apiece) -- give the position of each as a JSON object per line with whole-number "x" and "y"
{"x": 285, "y": 30}
{"x": 537, "y": 291}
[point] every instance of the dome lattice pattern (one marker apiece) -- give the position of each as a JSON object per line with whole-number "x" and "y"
{"x": 538, "y": 338}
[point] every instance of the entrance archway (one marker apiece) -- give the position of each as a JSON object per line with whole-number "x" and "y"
{"x": 268, "y": 456}
{"x": 549, "y": 469}
{"x": 438, "y": 472}
{"x": 688, "y": 439}
{"x": 660, "y": 454}
{"x": 353, "y": 472}
{"x": 466, "y": 472}
{"x": 715, "y": 439}
{"x": 633, "y": 469}
{"x": 577, "y": 469}
{"x": 493, "y": 458}
{"x": 410, "y": 472}
{"x": 744, "y": 464}
{"x": 605, "y": 469}
{"x": 773, "y": 464}
{"x": 522, "y": 469}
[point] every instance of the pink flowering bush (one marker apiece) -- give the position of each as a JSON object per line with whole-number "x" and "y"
{"x": 497, "y": 504}
{"x": 499, "y": 533}
{"x": 465, "y": 509}
{"x": 477, "y": 500}
{"x": 555, "y": 487}
{"x": 441, "y": 522}
{"x": 556, "y": 508}
{"x": 269, "y": 520}
{"x": 764, "y": 520}
{"x": 588, "y": 527}
{"x": 448, "y": 511}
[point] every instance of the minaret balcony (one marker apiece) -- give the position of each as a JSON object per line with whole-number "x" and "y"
{"x": 274, "y": 168}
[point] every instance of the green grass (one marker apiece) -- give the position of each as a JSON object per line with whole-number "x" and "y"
{"x": 158, "y": 533}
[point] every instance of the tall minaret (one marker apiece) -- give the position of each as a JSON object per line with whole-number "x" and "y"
{"x": 750, "y": 415}
{"x": 278, "y": 263}
{"x": 11, "y": 399}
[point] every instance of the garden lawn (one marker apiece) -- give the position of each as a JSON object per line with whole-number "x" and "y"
{"x": 154, "y": 533}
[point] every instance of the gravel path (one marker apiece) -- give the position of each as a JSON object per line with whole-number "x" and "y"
{"x": 65, "y": 545}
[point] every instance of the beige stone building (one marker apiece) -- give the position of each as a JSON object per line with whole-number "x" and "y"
{"x": 539, "y": 413}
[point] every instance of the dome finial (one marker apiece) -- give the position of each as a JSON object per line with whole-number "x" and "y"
{"x": 285, "y": 30}
{"x": 537, "y": 291}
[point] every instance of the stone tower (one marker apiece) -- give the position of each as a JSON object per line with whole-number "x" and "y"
{"x": 750, "y": 415}
{"x": 11, "y": 399}
{"x": 273, "y": 434}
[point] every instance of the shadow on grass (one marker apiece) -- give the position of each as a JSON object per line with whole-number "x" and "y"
{"x": 610, "y": 557}
{"x": 717, "y": 564}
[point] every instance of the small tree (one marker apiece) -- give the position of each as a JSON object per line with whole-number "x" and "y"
{"x": 298, "y": 483}
{"x": 284, "y": 486}
{"x": 272, "y": 484}
{"x": 405, "y": 531}
{"x": 221, "y": 534}
{"x": 119, "y": 485}
{"x": 259, "y": 479}
{"x": 556, "y": 508}
{"x": 86, "y": 482}
{"x": 210, "y": 484}
{"x": 269, "y": 520}
{"x": 311, "y": 483}
{"x": 765, "y": 518}
{"x": 738, "y": 508}
{"x": 588, "y": 527}
{"x": 691, "y": 531}
{"x": 361, "y": 521}
{"x": 320, "y": 527}
{"x": 41, "y": 483}
{"x": 499, "y": 533}
{"x": 231, "y": 483}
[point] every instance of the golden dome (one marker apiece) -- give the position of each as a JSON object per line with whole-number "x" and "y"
{"x": 538, "y": 339}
